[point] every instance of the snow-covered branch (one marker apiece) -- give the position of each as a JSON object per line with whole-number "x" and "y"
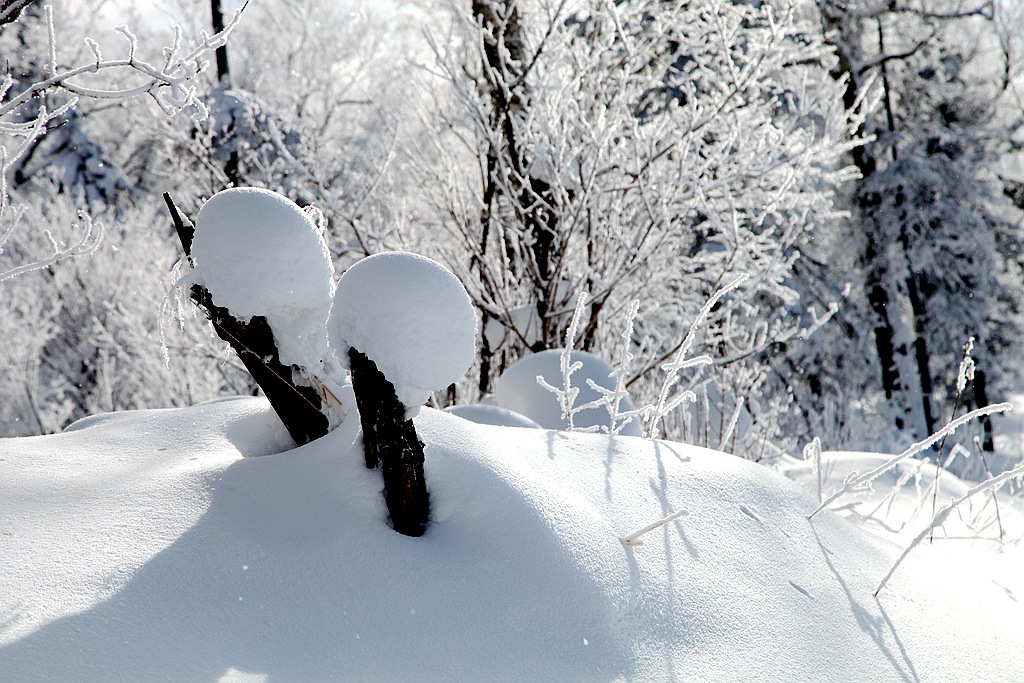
{"x": 855, "y": 482}
{"x": 991, "y": 484}
{"x": 25, "y": 119}
{"x": 89, "y": 240}
{"x": 172, "y": 84}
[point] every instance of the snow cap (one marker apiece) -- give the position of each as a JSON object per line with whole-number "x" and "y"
{"x": 411, "y": 316}
{"x": 258, "y": 253}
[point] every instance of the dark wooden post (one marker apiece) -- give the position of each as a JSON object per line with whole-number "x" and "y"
{"x": 299, "y": 407}
{"x": 389, "y": 439}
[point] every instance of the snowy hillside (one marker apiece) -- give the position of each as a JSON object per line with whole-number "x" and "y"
{"x": 191, "y": 545}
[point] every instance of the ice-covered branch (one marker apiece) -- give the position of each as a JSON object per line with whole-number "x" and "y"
{"x": 177, "y": 75}
{"x": 172, "y": 85}
{"x": 990, "y": 484}
{"x": 92, "y": 236}
{"x": 567, "y": 393}
{"x": 857, "y": 482}
{"x": 679, "y": 360}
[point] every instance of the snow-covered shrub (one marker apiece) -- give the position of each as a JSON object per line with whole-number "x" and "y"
{"x": 259, "y": 254}
{"x": 411, "y": 316}
{"x": 83, "y": 336}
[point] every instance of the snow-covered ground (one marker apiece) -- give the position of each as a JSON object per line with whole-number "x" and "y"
{"x": 193, "y": 545}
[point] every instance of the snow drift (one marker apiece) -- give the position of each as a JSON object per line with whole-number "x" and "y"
{"x": 185, "y": 545}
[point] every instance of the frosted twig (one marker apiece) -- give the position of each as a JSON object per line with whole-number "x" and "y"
{"x": 611, "y": 399}
{"x": 812, "y": 452}
{"x": 567, "y": 393}
{"x": 991, "y": 484}
{"x": 631, "y": 540}
{"x": 679, "y": 361}
{"x": 91, "y": 238}
{"x": 855, "y": 482}
{"x": 733, "y": 421}
{"x": 176, "y": 75}
{"x": 964, "y": 373}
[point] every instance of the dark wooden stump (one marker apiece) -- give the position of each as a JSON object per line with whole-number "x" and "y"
{"x": 299, "y": 407}
{"x": 390, "y": 440}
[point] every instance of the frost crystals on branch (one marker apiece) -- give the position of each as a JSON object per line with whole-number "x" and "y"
{"x": 991, "y": 484}
{"x": 855, "y": 483}
{"x": 172, "y": 84}
{"x": 679, "y": 361}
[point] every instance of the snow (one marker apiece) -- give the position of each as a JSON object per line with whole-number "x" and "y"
{"x": 482, "y": 413}
{"x": 411, "y": 316}
{"x": 188, "y": 545}
{"x": 258, "y": 253}
{"x": 518, "y": 390}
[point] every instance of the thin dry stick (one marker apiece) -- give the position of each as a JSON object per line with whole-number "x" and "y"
{"x": 995, "y": 498}
{"x": 964, "y": 372}
{"x": 631, "y": 540}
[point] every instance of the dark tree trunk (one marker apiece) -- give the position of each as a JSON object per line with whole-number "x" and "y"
{"x": 898, "y": 388}
{"x": 533, "y": 200}
{"x": 885, "y": 335}
{"x": 299, "y": 407}
{"x": 390, "y": 440}
{"x": 223, "y": 72}
{"x": 988, "y": 443}
{"x": 921, "y": 353}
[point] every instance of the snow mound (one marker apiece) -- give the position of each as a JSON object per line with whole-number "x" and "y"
{"x": 258, "y": 253}
{"x": 155, "y": 546}
{"x": 492, "y": 415}
{"x": 518, "y": 390}
{"x": 411, "y": 316}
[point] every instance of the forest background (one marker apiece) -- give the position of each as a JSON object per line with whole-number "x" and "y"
{"x": 858, "y": 162}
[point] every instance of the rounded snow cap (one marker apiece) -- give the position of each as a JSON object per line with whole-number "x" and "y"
{"x": 411, "y": 316}
{"x": 258, "y": 253}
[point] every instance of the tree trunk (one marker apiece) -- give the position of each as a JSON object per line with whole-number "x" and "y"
{"x": 532, "y": 199}
{"x": 988, "y": 443}
{"x": 390, "y": 440}
{"x": 223, "y": 72}
{"x": 901, "y": 375}
{"x": 921, "y": 355}
{"x": 299, "y": 407}
{"x": 885, "y": 335}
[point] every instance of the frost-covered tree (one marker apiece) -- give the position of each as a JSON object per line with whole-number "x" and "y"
{"x": 928, "y": 211}
{"x": 73, "y": 329}
{"x": 41, "y": 96}
{"x": 313, "y": 115}
{"x": 640, "y": 150}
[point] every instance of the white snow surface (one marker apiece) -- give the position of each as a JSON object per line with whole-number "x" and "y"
{"x": 185, "y": 545}
{"x": 411, "y": 316}
{"x": 258, "y": 253}
{"x": 485, "y": 414}
{"x": 518, "y": 390}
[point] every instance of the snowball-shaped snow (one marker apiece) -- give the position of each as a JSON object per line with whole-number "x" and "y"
{"x": 518, "y": 390}
{"x": 258, "y": 253}
{"x": 411, "y": 316}
{"x": 491, "y": 415}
